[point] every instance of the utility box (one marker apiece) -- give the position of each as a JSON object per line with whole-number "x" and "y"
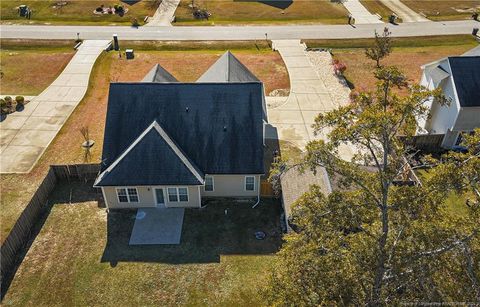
{"x": 23, "y": 10}
{"x": 129, "y": 54}
{"x": 115, "y": 42}
{"x": 475, "y": 31}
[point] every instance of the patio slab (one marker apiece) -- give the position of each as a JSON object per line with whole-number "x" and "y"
{"x": 157, "y": 226}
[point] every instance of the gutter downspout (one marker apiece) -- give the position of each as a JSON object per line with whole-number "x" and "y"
{"x": 258, "y": 198}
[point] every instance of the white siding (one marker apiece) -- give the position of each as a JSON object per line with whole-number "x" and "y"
{"x": 231, "y": 186}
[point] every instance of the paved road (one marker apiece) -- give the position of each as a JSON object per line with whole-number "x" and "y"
{"x": 235, "y": 32}
{"x": 26, "y": 134}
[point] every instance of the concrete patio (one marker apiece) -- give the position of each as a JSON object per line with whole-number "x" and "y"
{"x": 157, "y": 226}
{"x": 26, "y": 134}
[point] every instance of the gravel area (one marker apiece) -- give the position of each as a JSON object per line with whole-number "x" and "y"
{"x": 336, "y": 85}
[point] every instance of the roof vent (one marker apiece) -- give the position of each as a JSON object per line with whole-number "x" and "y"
{"x": 224, "y": 128}
{"x": 186, "y": 109}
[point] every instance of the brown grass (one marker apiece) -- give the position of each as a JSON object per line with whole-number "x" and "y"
{"x": 28, "y": 72}
{"x": 256, "y": 12}
{"x": 444, "y": 9}
{"x": 75, "y": 12}
{"x": 360, "y": 69}
{"x": 91, "y": 112}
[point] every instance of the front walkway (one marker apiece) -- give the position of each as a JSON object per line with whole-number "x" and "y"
{"x": 310, "y": 94}
{"x": 403, "y": 11}
{"x": 360, "y": 13}
{"x": 164, "y": 14}
{"x": 157, "y": 226}
{"x": 27, "y": 134}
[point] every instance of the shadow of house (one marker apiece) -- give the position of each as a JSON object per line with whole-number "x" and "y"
{"x": 64, "y": 193}
{"x": 278, "y": 4}
{"x": 130, "y": 2}
{"x": 220, "y": 228}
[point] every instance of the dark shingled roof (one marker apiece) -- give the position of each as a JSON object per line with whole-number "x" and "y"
{"x": 466, "y": 75}
{"x": 152, "y": 160}
{"x": 228, "y": 69}
{"x": 159, "y": 74}
{"x": 218, "y": 126}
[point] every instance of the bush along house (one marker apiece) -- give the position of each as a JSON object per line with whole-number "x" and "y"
{"x": 172, "y": 144}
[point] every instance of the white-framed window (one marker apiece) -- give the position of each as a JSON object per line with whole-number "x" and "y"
{"x": 209, "y": 184}
{"x": 127, "y": 195}
{"x": 177, "y": 194}
{"x": 249, "y": 183}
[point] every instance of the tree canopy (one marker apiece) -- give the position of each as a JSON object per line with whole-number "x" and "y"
{"x": 378, "y": 241}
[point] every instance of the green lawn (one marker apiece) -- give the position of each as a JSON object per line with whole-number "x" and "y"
{"x": 75, "y": 12}
{"x": 81, "y": 257}
{"x": 262, "y": 12}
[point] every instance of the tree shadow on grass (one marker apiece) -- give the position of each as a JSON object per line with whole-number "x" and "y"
{"x": 207, "y": 233}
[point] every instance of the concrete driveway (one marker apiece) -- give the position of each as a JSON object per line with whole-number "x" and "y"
{"x": 157, "y": 226}
{"x": 308, "y": 97}
{"x": 26, "y": 134}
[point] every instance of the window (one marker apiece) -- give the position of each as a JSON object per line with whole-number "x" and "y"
{"x": 209, "y": 184}
{"x": 172, "y": 194}
{"x": 250, "y": 183}
{"x": 183, "y": 194}
{"x": 127, "y": 195}
{"x": 177, "y": 194}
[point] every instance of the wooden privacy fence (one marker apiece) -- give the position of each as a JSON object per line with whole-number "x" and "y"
{"x": 266, "y": 189}
{"x": 427, "y": 142}
{"x": 20, "y": 233}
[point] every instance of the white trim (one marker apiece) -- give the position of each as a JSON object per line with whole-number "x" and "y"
{"x": 199, "y": 198}
{"x": 127, "y": 194}
{"x": 205, "y": 185}
{"x": 155, "y": 195}
{"x": 177, "y": 151}
{"x": 177, "y": 191}
{"x": 104, "y": 198}
{"x": 167, "y": 139}
{"x": 245, "y": 183}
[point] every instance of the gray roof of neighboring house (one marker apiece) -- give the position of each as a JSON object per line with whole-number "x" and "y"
{"x": 152, "y": 159}
{"x": 473, "y": 52}
{"x": 159, "y": 74}
{"x": 218, "y": 126}
{"x": 228, "y": 69}
{"x": 295, "y": 183}
{"x": 466, "y": 76}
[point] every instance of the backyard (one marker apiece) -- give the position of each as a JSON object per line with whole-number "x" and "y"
{"x": 76, "y": 11}
{"x": 444, "y": 9}
{"x": 195, "y": 58}
{"x": 408, "y": 54}
{"x": 262, "y": 12}
{"x": 81, "y": 256}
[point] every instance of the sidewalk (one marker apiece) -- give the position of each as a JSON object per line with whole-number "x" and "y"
{"x": 26, "y": 134}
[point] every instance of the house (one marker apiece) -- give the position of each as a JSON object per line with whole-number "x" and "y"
{"x": 174, "y": 144}
{"x": 459, "y": 79}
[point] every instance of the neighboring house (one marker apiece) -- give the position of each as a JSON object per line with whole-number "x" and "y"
{"x": 459, "y": 79}
{"x": 173, "y": 144}
{"x": 295, "y": 183}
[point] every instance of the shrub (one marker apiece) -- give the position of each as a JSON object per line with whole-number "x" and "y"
{"x": 9, "y": 104}
{"x": 339, "y": 67}
{"x": 20, "y": 100}
{"x": 135, "y": 22}
{"x": 99, "y": 9}
{"x": 3, "y": 107}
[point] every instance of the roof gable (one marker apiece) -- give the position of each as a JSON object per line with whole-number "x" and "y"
{"x": 228, "y": 69}
{"x": 466, "y": 76}
{"x": 219, "y": 127}
{"x": 153, "y": 159}
{"x": 159, "y": 74}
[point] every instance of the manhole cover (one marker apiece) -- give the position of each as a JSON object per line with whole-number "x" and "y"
{"x": 260, "y": 235}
